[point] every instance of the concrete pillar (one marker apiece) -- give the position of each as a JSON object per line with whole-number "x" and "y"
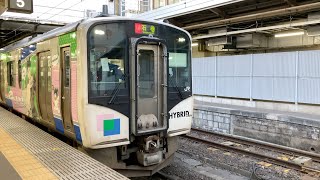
{"x": 2, "y": 6}
{"x": 117, "y": 7}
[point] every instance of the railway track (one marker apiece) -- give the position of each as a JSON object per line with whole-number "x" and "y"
{"x": 272, "y": 147}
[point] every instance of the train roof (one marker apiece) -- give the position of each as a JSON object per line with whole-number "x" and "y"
{"x": 72, "y": 27}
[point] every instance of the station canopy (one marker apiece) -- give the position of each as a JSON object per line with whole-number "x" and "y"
{"x": 39, "y": 17}
{"x": 208, "y": 19}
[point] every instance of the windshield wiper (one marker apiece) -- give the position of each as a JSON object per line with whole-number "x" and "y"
{"x": 116, "y": 90}
{"x": 176, "y": 87}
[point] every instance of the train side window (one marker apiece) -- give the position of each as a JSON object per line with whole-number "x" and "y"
{"x": 26, "y": 51}
{"x": 11, "y": 73}
{"x": 19, "y": 74}
{"x": 67, "y": 68}
{"x": 49, "y": 72}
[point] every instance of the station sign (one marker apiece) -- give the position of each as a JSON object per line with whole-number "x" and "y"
{"x": 20, "y": 6}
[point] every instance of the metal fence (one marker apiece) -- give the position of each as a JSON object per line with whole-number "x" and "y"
{"x": 286, "y": 76}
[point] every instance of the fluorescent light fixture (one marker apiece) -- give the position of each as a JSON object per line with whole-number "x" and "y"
{"x": 194, "y": 44}
{"x": 99, "y": 32}
{"x": 289, "y": 33}
{"x": 1, "y": 49}
{"x": 181, "y": 40}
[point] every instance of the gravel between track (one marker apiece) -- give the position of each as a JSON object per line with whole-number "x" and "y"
{"x": 198, "y": 161}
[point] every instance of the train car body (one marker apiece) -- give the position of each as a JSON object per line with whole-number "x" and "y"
{"x": 119, "y": 87}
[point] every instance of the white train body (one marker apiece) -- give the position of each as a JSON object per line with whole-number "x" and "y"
{"x": 120, "y": 88}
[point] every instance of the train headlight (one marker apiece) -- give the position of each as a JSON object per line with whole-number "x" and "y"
{"x": 181, "y": 40}
{"x": 99, "y": 32}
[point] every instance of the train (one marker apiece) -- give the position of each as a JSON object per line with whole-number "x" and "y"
{"x": 121, "y": 88}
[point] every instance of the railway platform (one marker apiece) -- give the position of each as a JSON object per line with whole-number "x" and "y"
{"x": 27, "y": 152}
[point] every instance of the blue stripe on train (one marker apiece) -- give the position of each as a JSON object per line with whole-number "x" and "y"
{"x": 60, "y": 128}
{"x": 59, "y": 125}
{"x": 78, "y": 134}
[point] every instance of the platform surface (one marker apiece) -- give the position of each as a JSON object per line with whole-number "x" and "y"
{"x": 7, "y": 170}
{"x": 27, "y": 152}
{"x": 314, "y": 117}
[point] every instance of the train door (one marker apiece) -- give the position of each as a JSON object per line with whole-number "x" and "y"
{"x": 66, "y": 98}
{"x": 44, "y": 66}
{"x": 151, "y": 90}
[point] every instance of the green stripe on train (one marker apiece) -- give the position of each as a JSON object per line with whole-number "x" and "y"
{"x": 69, "y": 39}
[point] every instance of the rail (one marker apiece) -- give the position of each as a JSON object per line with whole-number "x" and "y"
{"x": 263, "y": 157}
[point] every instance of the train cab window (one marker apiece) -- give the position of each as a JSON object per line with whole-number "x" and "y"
{"x": 179, "y": 62}
{"x": 11, "y": 73}
{"x": 178, "y": 69}
{"x": 107, "y": 52}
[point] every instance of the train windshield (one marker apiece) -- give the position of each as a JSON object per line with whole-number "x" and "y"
{"x": 179, "y": 61}
{"x": 107, "y": 48}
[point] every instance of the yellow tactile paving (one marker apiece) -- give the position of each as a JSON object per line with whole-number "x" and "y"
{"x": 26, "y": 165}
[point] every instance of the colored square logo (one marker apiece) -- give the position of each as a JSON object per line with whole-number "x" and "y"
{"x": 107, "y": 124}
{"x": 111, "y": 127}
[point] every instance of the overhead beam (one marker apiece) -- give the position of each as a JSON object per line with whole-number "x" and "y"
{"x": 254, "y": 17}
{"x": 255, "y": 6}
{"x": 259, "y": 30}
{"x": 176, "y": 23}
{"x": 181, "y": 9}
{"x": 13, "y": 39}
{"x": 29, "y": 21}
{"x": 291, "y": 2}
{"x": 218, "y": 12}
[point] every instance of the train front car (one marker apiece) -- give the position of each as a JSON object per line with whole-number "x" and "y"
{"x": 138, "y": 96}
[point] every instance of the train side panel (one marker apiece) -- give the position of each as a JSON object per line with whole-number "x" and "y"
{"x": 13, "y": 93}
{"x": 34, "y": 85}
{"x": 180, "y": 118}
{"x": 4, "y": 57}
